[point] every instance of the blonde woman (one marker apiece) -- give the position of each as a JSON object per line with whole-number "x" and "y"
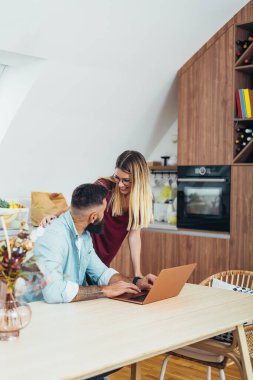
{"x": 129, "y": 208}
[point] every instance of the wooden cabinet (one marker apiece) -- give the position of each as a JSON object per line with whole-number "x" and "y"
{"x": 241, "y": 241}
{"x": 163, "y": 250}
{"x": 205, "y": 116}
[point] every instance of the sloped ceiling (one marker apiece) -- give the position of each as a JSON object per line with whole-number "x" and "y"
{"x": 107, "y": 83}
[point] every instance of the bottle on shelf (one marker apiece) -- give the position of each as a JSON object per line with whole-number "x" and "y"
{"x": 241, "y": 143}
{"x": 169, "y": 210}
{"x": 247, "y": 61}
{"x": 240, "y": 129}
{"x": 244, "y": 130}
{"x": 244, "y": 44}
{"x": 246, "y": 136}
{"x": 173, "y": 218}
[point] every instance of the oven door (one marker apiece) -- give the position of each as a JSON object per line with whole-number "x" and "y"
{"x": 204, "y": 203}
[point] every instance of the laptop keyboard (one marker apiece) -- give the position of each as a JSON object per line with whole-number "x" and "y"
{"x": 139, "y": 298}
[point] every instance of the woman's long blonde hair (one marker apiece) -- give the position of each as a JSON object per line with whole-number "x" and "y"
{"x": 140, "y": 201}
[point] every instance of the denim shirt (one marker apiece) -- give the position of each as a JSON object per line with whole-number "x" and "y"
{"x": 65, "y": 258}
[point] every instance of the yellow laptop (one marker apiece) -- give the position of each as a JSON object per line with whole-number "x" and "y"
{"x": 168, "y": 284}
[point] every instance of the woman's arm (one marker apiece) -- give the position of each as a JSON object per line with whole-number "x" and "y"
{"x": 134, "y": 241}
{"x": 48, "y": 219}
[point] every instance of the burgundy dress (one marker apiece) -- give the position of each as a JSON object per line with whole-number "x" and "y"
{"x": 109, "y": 241}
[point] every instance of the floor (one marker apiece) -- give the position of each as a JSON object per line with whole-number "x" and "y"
{"x": 177, "y": 369}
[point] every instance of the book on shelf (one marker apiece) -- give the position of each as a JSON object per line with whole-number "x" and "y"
{"x": 247, "y": 102}
{"x": 238, "y": 104}
{"x": 251, "y": 100}
{"x": 242, "y": 101}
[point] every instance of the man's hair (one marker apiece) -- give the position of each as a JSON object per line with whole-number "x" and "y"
{"x": 88, "y": 195}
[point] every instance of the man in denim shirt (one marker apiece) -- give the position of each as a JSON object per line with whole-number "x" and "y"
{"x": 66, "y": 255}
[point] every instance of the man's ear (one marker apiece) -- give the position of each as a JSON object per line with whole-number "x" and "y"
{"x": 92, "y": 217}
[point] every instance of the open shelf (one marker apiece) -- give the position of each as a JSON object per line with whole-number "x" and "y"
{"x": 245, "y": 68}
{"x": 250, "y": 119}
{"x": 247, "y": 54}
{"x": 242, "y": 164}
{"x": 162, "y": 168}
{"x": 243, "y": 79}
{"x": 246, "y": 154}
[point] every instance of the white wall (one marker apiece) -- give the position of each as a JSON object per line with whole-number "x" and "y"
{"x": 106, "y": 83}
{"x": 19, "y": 75}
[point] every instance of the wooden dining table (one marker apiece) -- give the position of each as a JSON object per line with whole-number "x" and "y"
{"x": 82, "y": 339}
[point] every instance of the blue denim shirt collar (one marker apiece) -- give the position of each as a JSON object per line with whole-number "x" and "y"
{"x": 69, "y": 221}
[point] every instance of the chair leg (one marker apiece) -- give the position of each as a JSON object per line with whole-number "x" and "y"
{"x": 164, "y": 365}
{"x": 209, "y": 373}
{"x": 222, "y": 374}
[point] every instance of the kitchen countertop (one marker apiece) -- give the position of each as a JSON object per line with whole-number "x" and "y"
{"x": 160, "y": 227}
{"x": 172, "y": 229}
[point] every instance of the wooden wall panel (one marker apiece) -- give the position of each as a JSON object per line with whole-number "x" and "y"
{"x": 205, "y": 117}
{"x": 211, "y": 254}
{"x": 241, "y": 242}
{"x": 122, "y": 261}
{"x": 159, "y": 251}
{"x": 162, "y": 250}
{"x": 244, "y": 15}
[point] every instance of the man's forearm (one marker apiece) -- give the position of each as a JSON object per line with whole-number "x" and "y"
{"x": 91, "y": 292}
{"x": 119, "y": 277}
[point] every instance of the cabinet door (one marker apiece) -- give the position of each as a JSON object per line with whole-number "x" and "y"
{"x": 205, "y": 118}
{"x": 164, "y": 250}
{"x": 241, "y": 242}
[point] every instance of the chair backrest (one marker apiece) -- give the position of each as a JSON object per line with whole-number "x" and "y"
{"x": 241, "y": 278}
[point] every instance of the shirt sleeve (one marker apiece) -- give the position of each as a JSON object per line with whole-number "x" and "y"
{"x": 107, "y": 183}
{"x": 98, "y": 272}
{"x": 50, "y": 258}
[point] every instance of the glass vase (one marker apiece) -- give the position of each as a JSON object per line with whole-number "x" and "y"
{"x": 14, "y": 316}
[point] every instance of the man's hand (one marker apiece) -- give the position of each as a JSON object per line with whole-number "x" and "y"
{"x": 47, "y": 220}
{"x": 146, "y": 282}
{"x": 118, "y": 288}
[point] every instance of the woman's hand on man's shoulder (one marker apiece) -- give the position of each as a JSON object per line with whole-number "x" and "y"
{"x": 47, "y": 220}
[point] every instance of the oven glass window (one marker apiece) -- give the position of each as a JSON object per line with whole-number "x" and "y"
{"x": 203, "y": 200}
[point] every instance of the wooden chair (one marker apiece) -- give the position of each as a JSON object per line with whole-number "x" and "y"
{"x": 213, "y": 353}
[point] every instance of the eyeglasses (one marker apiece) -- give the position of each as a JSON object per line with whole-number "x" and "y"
{"x": 125, "y": 181}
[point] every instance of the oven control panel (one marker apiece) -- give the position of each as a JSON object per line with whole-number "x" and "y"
{"x": 216, "y": 171}
{"x": 202, "y": 170}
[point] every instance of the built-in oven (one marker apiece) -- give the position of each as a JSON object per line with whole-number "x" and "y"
{"x": 203, "y": 197}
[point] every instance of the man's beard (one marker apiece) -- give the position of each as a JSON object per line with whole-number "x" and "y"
{"x": 95, "y": 228}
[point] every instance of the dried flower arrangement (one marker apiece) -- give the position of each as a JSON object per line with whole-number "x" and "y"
{"x": 16, "y": 260}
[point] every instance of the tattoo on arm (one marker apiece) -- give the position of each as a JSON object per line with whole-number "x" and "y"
{"x": 88, "y": 293}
